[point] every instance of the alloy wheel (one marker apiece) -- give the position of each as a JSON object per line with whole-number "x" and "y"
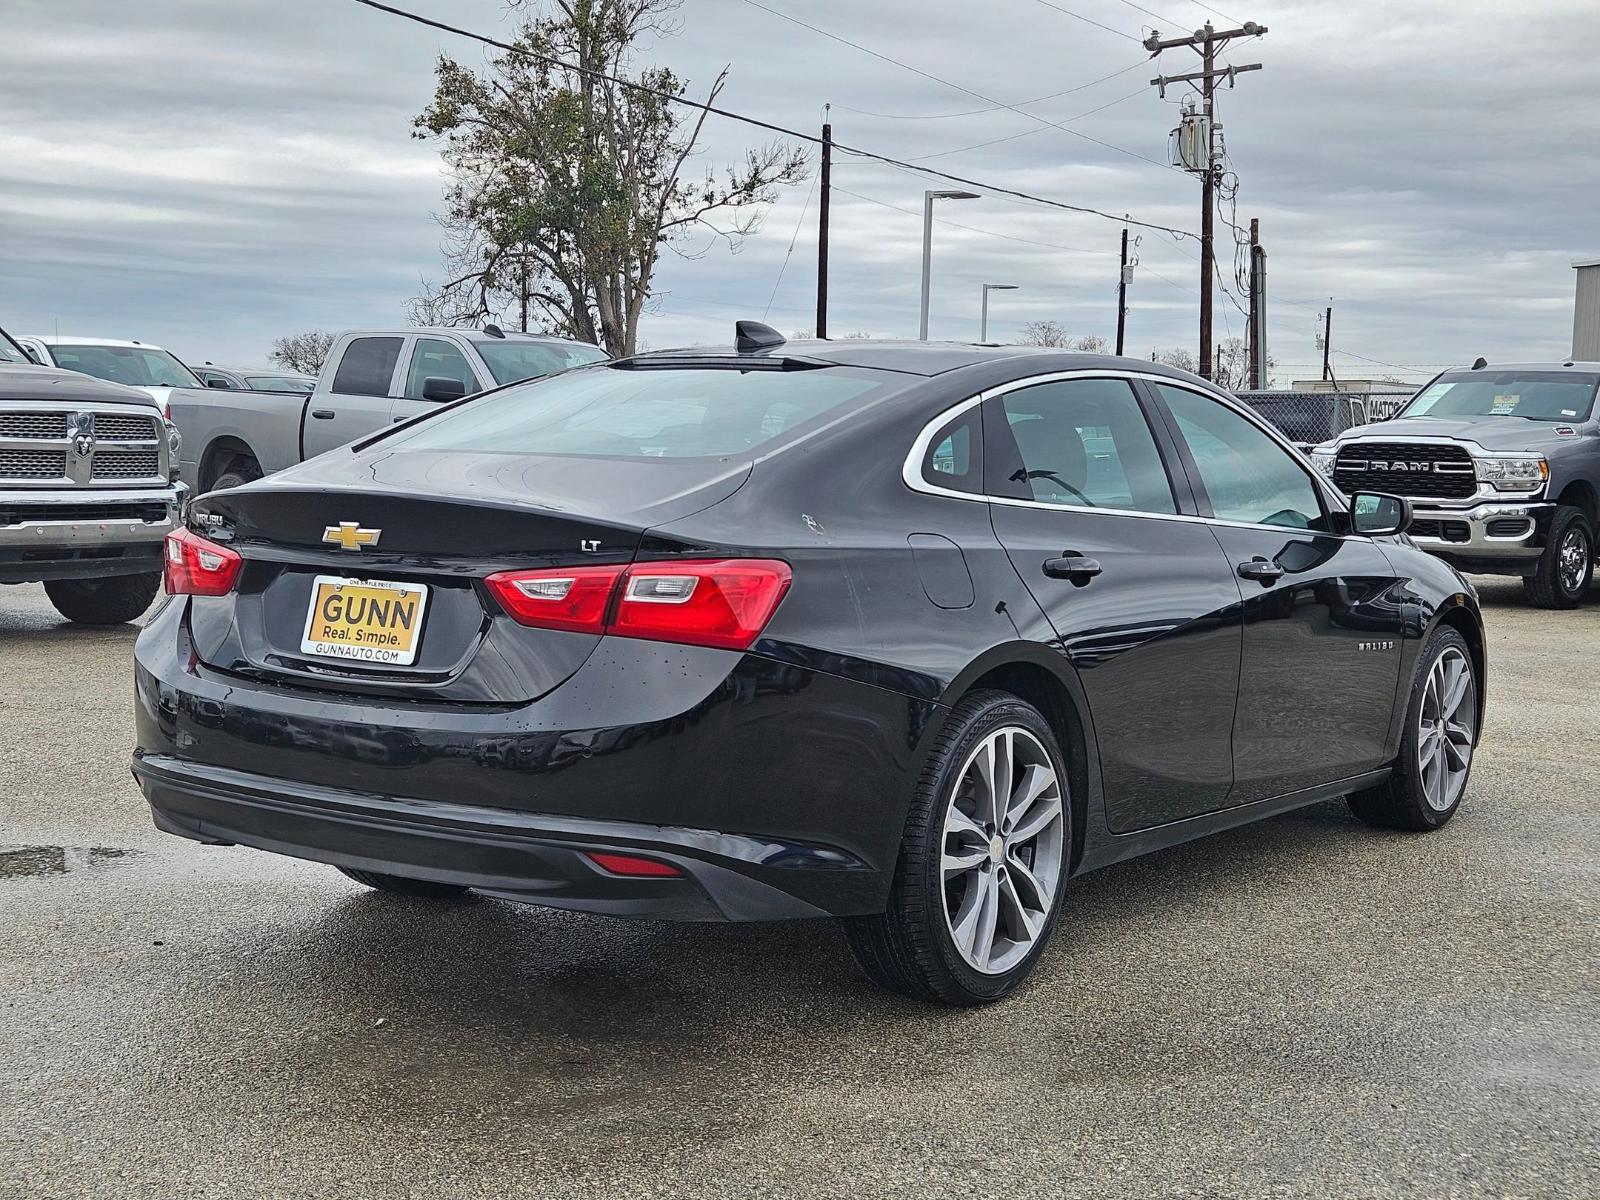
{"x": 1002, "y": 850}
{"x": 1573, "y": 561}
{"x": 1445, "y": 725}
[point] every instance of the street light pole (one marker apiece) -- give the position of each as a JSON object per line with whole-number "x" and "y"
{"x": 927, "y": 248}
{"x": 983, "y": 325}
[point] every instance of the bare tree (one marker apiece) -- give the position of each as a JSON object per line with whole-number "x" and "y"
{"x": 1091, "y": 343}
{"x": 566, "y": 184}
{"x": 1045, "y": 333}
{"x": 1178, "y": 357}
{"x": 1232, "y": 365}
{"x": 303, "y": 352}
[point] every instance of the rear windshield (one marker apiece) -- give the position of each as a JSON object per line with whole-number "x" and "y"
{"x": 651, "y": 413}
{"x": 1535, "y": 395}
{"x": 510, "y": 361}
{"x": 138, "y": 366}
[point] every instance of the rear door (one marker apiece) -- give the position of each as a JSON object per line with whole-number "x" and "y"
{"x": 1142, "y": 601}
{"x": 1324, "y": 613}
{"x": 358, "y": 398}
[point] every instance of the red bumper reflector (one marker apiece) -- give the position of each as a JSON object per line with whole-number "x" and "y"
{"x": 631, "y": 864}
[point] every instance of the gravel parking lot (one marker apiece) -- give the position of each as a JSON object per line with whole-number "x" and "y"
{"x": 1305, "y": 1007}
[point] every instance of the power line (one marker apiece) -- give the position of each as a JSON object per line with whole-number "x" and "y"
{"x": 1029, "y": 132}
{"x": 770, "y": 127}
{"x": 789, "y": 253}
{"x": 974, "y": 112}
{"x": 1088, "y": 20}
{"x": 911, "y": 212}
{"x": 905, "y": 66}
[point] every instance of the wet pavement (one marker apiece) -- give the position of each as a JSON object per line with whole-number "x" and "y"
{"x": 1303, "y": 1008}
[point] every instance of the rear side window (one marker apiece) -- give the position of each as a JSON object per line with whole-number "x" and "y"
{"x": 655, "y": 412}
{"x": 954, "y": 458}
{"x": 1077, "y": 443}
{"x": 367, "y": 366}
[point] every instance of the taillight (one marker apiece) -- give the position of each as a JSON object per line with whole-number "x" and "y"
{"x": 724, "y": 603}
{"x": 193, "y": 566}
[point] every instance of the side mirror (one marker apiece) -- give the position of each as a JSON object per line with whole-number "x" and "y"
{"x": 1379, "y": 515}
{"x": 216, "y": 381}
{"x": 443, "y": 388}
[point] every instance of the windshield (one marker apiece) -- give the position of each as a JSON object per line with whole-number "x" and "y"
{"x": 1535, "y": 395}
{"x": 510, "y": 361}
{"x": 647, "y": 413}
{"x": 137, "y": 366}
{"x": 279, "y": 383}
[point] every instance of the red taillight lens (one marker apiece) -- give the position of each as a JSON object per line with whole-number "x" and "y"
{"x": 574, "y": 598}
{"x": 724, "y": 603}
{"x": 193, "y": 566}
{"x": 632, "y": 865}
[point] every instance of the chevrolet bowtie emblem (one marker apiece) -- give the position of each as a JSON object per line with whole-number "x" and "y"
{"x": 348, "y": 535}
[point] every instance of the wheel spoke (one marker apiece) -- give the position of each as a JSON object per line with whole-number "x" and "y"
{"x": 1016, "y": 869}
{"x": 1022, "y": 924}
{"x": 988, "y": 916}
{"x": 1037, "y": 819}
{"x": 1036, "y": 781}
{"x": 958, "y": 824}
{"x": 1455, "y": 688}
{"x": 959, "y": 861}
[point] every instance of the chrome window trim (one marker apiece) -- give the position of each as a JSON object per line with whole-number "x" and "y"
{"x": 911, "y": 470}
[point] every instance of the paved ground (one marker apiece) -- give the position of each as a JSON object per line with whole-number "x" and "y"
{"x": 1305, "y": 1008}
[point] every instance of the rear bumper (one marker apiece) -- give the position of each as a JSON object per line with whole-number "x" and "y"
{"x": 531, "y": 857}
{"x": 777, "y": 791}
{"x": 69, "y": 533}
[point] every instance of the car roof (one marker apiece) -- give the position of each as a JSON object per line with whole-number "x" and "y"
{"x": 278, "y": 372}
{"x": 472, "y": 335}
{"x": 67, "y": 339}
{"x": 923, "y": 358}
{"x": 1565, "y": 364}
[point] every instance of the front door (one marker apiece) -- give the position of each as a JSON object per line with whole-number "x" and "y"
{"x": 432, "y": 358}
{"x": 1141, "y": 599}
{"x": 358, "y": 401}
{"x": 1324, "y": 614}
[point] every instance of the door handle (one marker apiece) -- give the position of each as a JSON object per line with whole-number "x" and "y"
{"x": 323, "y": 414}
{"x": 1074, "y": 567}
{"x": 1262, "y": 570}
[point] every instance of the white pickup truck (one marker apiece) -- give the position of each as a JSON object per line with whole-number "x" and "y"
{"x": 372, "y": 379}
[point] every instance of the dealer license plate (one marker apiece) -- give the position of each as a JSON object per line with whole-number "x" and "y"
{"x": 370, "y": 620}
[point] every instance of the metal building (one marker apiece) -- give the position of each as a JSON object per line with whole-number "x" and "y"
{"x": 1586, "y": 312}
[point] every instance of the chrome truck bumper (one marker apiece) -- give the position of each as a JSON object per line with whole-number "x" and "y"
{"x": 1497, "y": 530}
{"x": 64, "y": 533}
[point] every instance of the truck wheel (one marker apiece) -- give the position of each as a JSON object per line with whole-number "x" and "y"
{"x": 103, "y": 601}
{"x": 236, "y": 477}
{"x": 1562, "y": 576}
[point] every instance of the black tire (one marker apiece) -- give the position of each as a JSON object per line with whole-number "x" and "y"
{"x": 399, "y": 885}
{"x": 909, "y": 948}
{"x": 1550, "y": 585}
{"x": 236, "y": 476}
{"x": 109, "y": 601}
{"x": 1400, "y": 802}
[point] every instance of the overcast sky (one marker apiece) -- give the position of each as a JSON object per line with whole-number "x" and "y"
{"x": 210, "y": 174}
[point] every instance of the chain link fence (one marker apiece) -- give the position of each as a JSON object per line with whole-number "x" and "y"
{"x": 1310, "y": 418}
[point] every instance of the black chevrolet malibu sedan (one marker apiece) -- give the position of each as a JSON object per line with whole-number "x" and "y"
{"x": 903, "y": 634}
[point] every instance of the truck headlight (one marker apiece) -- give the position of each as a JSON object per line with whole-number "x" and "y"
{"x": 1513, "y": 473}
{"x": 174, "y": 445}
{"x": 1323, "y": 458}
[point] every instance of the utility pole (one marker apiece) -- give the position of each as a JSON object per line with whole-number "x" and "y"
{"x": 1258, "y": 308}
{"x": 1122, "y": 292}
{"x": 1327, "y": 341}
{"x": 1207, "y": 42}
{"x": 822, "y": 231}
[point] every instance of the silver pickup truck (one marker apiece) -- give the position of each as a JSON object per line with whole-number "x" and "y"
{"x": 86, "y": 488}
{"x": 372, "y": 378}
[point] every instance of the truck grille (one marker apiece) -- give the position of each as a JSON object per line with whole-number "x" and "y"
{"x": 1407, "y": 469}
{"x": 33, "y": 464}
{"x": 33, "y": 425}
{"x": 110, "y": 427}
{"x": 125, "y": 464}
